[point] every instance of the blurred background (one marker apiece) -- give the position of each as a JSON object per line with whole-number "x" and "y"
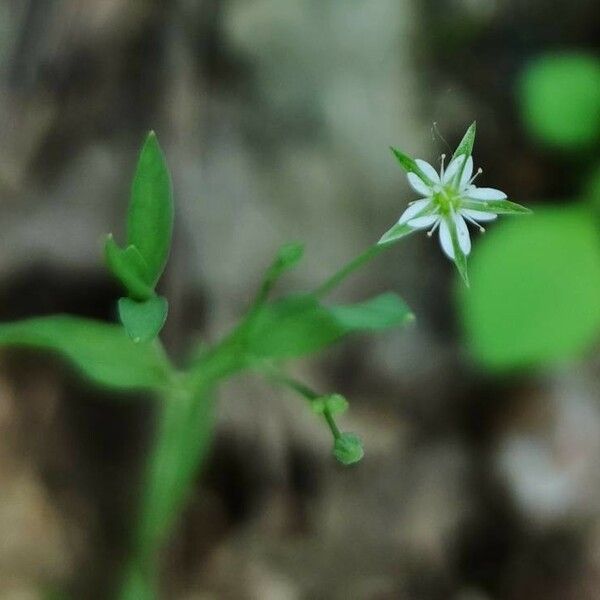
{"x": 481, "y": 422}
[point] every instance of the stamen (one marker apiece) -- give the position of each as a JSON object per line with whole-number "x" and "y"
{"x": 443, "y": 158}
{"x": 479, "y": 172}
{"x": 473, "y": 222}
{"x": 435, "y": 226}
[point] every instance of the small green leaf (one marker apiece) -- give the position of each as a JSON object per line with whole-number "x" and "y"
{"x": 143, "y": 320}
{"x": 535, "y": 290}
{"x": 465, "y": 147}
{"x": 348, "y": 449}
{"x": 382, "y": 312}
{"x": 150, "y": 215}
{"x": 300, "y": 325}
{"x": 129, "y": 267}
{"x": 410, "y": 166}
{"x": 101, "y": 351}
{"x": 334, "y": 403}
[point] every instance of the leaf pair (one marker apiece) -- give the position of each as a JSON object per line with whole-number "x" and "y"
{"x": 149, "y": 228}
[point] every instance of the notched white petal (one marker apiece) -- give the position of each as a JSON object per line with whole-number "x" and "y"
{"x": 466, "y": 174}
{"x": 446, "y": 240}
{"x": 478, "y": 215}
{"x": 462, "y": 232}
{"x": 419, "y": 185}
{"x": 453, "y": 168}
{"x": 423, "y": 222}
{"x": 429, "y": 170}
{"x": 413, "y": 210}
{"x": 485, "y": 194}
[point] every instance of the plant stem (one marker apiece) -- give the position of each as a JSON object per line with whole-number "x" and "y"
{"x": 328, "y": 285}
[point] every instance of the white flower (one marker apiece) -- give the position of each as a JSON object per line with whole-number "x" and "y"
{"x": 450, "y": 200}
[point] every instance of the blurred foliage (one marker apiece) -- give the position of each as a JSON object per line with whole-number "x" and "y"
{"x": 536, "y": 284}
{"x": 560, "y": 99}
{"x": 535, "y": 289}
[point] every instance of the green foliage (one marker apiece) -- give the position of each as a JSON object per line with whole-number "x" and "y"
{"x": 560, "y": 99}
{"x": 101, "y": 351}
{"x": 130, "y": 268}
{"x": 300, "y": 325}
{"x": 348, "y": 448}
{"x": 334, "y": 403}
{"x": 409, "y": 165}
{"x": 143, "y": 320}
{"x": 535, "y": 295}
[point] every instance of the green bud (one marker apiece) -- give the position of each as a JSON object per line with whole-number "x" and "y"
{"x": 334, "y": 403}
{"x": 348, "y": 448}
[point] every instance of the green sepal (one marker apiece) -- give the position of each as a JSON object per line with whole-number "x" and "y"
{"x": 400, "y": 230}
{"x": 499, "y": 207}
{"x": 465, "y": 147}
{"x": 143, "y": 320}
{"x": 410, "y": 166}
{"x": 460, "y": 259}
{"x": 129, "y": 267}
{"x": 348, "y": 448}
{"x": 335, "y": 404}
{"x": 150, "y": 214}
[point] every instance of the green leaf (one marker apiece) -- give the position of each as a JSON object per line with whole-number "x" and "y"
{"x": 535, "y": 290}
{"x": 300, "y": 325}
{"x": 382, "y": 312}
{"x": 102, "y": 351}
{"x": 143, "y": 320}
{"x": 500, "y": 207}
{"x": 465, "y": 147}
{"x": 348, "y": 449}
{"x": 560, "y": 99}
{"x": 130, "y": 268}
{"x": 400, "y": 230}
{"x": 150, "y": 215}
{"x": 410, "y": 166}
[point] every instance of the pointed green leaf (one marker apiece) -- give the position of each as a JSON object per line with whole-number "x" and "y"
{"x": 102, "y": 351}
{"x": 129, "y": 267}
{"x": 400, "y": 230}
{"x": 143, "y": 320}
{"x": 465, "y": 147}
{"x": 410, "y": 166}
{"x": 499, "y": 207}
{"x": 150, "y": 215}
{"x": 301, "y": 325}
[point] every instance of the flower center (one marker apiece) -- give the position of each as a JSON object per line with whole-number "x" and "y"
{"x": 447, "y": 199}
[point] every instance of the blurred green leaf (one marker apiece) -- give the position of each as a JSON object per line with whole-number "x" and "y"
{"x": 130, "y": 268}
{"x": 560, "y": 99}
{"x": 150, "y": 216}
{"x": 143, "y": 320}
{"x": 535, "y": 290}
{"x": 301, "y": 325}
{"x": 101, "y": 351}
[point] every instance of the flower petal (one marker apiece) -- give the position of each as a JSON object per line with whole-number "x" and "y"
{"x": 413, "y": 210}
{"x": 462, "y": 232}
{"x": 423, "y": 222}
{"x": 446, "y": 240}
{"x": 478, "y": 215}
{"x": 428, "y": 170}
{"x": 419, "y": 185}
{"x": 453, "y": 168}
{"x": 466, "y": 174}
{"x": 485, "y": 194}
